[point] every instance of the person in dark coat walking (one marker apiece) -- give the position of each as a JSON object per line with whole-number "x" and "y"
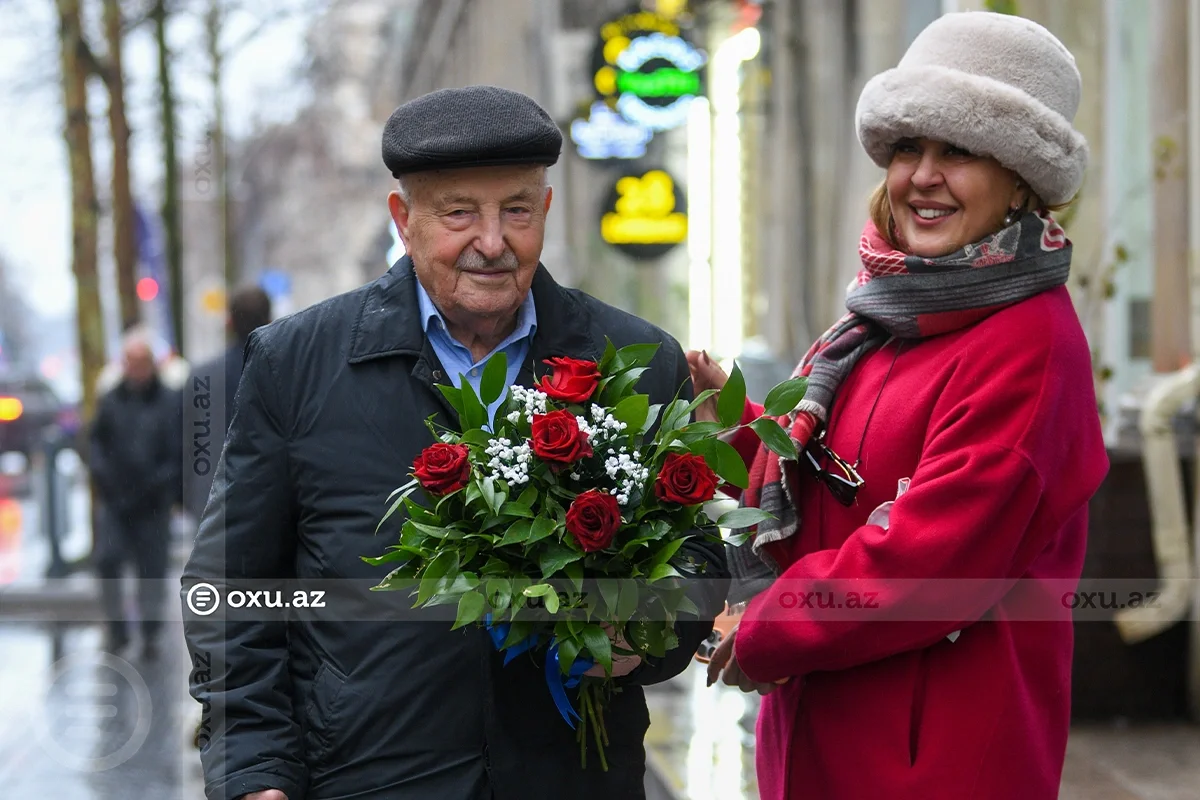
{"x": 361, "y": 698}
{"x": 135, "y": 464}
{"x": 205, "y": 421}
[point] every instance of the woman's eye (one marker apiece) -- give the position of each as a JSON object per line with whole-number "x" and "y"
{"x": 959, "y": 152}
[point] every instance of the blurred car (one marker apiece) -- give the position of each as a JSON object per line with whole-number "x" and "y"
{"x": 29, "y": 409}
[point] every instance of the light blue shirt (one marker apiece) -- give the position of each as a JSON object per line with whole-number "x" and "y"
{"x": 457, "y": 359}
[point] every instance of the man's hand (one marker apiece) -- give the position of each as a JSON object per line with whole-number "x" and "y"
{"x": 706, "y": 374}
{"x": 724, "y": 665}
{"x": 265, "y": 794}
{"x": 621, "y": 665}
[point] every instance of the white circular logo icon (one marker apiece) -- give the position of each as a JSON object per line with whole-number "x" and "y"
{"x": 96, "y": 700}
{"x": 203, "y": 599}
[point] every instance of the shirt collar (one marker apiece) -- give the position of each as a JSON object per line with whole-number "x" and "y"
{"x": 526, "y": 316}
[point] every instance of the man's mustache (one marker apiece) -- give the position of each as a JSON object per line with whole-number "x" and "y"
{"x": 474, "y": 261}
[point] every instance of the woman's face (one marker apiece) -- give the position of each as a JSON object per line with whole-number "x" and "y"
{"x": 943, "y": 197}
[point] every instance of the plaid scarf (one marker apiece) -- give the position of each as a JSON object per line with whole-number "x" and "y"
{"x": 902, "y": 296}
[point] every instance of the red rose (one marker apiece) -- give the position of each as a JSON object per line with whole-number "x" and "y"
{"x": 557, "y": 438}
{"x": 685, "y": 479}
{"x": 593, "y": 519}
{"x": 572, "y": 381}
{"x": 443, "y": 468}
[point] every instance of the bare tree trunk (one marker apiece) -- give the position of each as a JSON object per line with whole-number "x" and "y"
{"x": 124, "y": 231}
{"x": 84, "y": 207}
{"x": 170, "y": 203}
{"x": 213, "y": 25}
{"x": 1169, "y": 336}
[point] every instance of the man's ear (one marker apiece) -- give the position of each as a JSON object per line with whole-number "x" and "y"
{"x": 400, "y": 215}
{"x": 546, "y": 202}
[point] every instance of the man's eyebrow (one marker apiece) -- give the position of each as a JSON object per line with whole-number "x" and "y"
{"x": 455, "y": 198}
{"x": 523, "y": 194}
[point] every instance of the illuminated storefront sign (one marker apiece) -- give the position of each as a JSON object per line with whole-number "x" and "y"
{"x": 645, "y": 215}
{"x": 606, "y": 134}
{"x": 644, "y": 69}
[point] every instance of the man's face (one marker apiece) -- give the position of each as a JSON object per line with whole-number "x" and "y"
{"x": 138, "y": 363}
{"x": 475, "y": 236}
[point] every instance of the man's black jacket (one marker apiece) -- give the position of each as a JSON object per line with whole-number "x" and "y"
{"x": 329, "y": 417}
{"x": 134, "y": 457}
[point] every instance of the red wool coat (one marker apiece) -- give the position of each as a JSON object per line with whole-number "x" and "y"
{"x": 997, "y": 427}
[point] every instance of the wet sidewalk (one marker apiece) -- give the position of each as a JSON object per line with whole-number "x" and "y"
{"x": 701, "y": 747}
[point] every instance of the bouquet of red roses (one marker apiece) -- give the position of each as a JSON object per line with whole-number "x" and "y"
{"x": 558, "y": 523}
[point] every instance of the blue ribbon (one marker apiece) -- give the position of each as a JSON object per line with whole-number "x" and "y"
{"x": 555, "y": 680}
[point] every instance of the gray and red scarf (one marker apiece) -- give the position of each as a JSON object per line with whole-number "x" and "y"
{"x": 906, "y": 297}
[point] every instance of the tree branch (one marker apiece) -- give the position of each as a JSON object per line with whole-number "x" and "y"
{"x": 92, "y": 64}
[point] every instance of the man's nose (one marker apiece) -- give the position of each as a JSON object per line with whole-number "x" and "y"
{"x": 490, "y": 242}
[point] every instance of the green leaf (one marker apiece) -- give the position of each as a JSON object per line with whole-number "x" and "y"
{"x": 517, "y": 533}
{"x": 599, "y": 645}
{"x": 620, "y": 385}
{"x": 732, "y": 401}
{"x": 518, "y": 632}
{"x": 474, "y": 415}
{"x": 609, "y": 353}
{"x": 568, "y": 651}
{"x": 651, "y": 419}
{"x": 700, "y": 398}
{"x": 487, "y": 489}
{"x": 538, "y": 590}
{"x": 609, "y": 590}
{"x": 574, "y": 572}
{"x": 470, "y": 609}
{"x": 528, "y": 497}
{"x": 634, "y": 355}
{"x": 556, "y": 557}
{"x": 445, "y": 563}
{"x": 675, "y": 417}
{"x": 627, "y": 601}
{"x": 388, "y": 557}
{"x": 742, "y": 518}
{"x": 435, "y": 531}
{"x": 495, "y": 375}
{"x": 724, "y": 460}
{"x": 498, "y": 592}
{"x": 737, "y": 539}
{"x": 668, "y": 551}
{"x": 403, "y": 489}
{"x": 698, "y": 430}
{"x": 774, "y": 437}
{"x": 663, "y": 571}
{"x": 542, "y": 527}
{"x": 783, "y": 398}
{"x": 454, "y": 395}
{"x": 516, "y": 510}
{"x": 633, "y": 411}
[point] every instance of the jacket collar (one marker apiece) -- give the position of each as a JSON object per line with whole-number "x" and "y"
{"x": 389, "y": 319}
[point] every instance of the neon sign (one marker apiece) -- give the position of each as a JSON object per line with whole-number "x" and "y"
{"x": 646, "y": 71}
{"x": 645, "y": 215}
{"x": 606, "y": 134}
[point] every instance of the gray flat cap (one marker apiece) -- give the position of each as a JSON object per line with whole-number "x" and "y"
{"x": 479, "y": 126}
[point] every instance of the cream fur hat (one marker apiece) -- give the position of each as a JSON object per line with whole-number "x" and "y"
{"x": 998, "y": 85}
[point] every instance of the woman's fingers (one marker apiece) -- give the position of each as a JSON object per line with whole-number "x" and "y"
{"x": 720, "y": 657}
{"x": 706, "y": 373}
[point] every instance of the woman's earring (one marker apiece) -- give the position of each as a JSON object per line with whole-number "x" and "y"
{"x": 1011, "y": 217}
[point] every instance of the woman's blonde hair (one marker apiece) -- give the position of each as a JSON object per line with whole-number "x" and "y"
{"x": 880, "y": 211}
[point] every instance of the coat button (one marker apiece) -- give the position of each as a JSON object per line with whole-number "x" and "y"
{"x": 437, "y": 374}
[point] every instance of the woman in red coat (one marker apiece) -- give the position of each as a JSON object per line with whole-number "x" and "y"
{"x": 912, "y": 640}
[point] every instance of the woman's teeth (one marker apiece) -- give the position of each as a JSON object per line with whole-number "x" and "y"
{"x": 933, "y": 213}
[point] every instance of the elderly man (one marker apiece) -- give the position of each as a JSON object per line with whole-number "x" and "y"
{"x": 329, "y": 417}
{"x": 135, "y": 465}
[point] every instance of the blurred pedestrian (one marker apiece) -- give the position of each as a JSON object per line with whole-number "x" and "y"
{"x": 951, "y": 445}
{"x": 135, "y": 465}
{"x": 208, "y": 396}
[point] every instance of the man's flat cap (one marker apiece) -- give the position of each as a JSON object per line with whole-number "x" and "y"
{"x": 479, "y": 126}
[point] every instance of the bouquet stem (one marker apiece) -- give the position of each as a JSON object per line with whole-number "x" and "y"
{"x": 591, "y": 706}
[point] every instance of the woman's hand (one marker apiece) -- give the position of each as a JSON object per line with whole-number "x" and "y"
{"x": 706, "y": 374}
{"x": 724, "y": 665}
